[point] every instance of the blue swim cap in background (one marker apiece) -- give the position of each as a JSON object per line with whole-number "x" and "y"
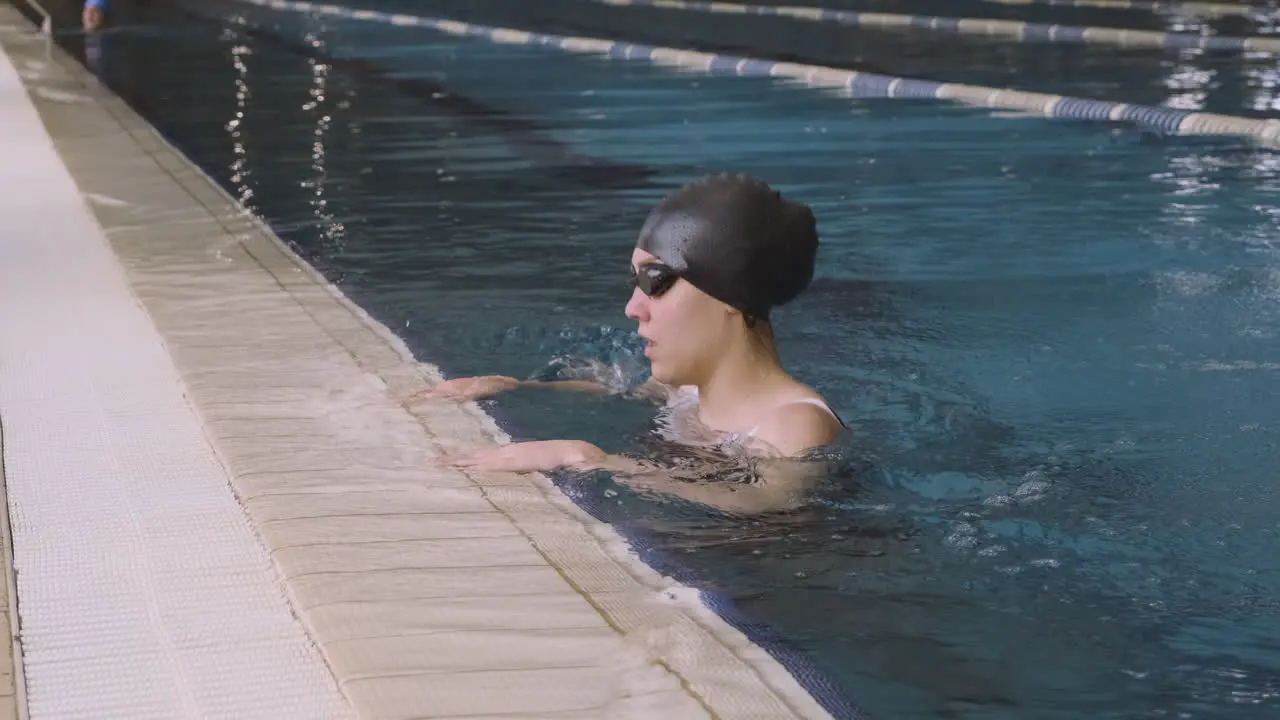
{"x": 96, "y": 4}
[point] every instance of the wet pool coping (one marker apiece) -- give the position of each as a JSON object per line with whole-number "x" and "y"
{"x": 12, "y": 700}
{"x": 430, "y": 593}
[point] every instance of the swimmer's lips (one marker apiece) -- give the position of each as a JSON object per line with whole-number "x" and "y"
{"x": 648, "y": 346}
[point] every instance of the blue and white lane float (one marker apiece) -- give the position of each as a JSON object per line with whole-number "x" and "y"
{"x": 1017, "y": 30}
{"x": 1170, "y": 121}
{"x": 1190, "y": 7}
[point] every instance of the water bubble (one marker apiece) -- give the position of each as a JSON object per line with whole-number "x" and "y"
{"x": 1033, "y": 487}
{"x": 963, "y": 536}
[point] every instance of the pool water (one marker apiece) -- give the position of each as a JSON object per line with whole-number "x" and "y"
{"x": 1057, "y": 343}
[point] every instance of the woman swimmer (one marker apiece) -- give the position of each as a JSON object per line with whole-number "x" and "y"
{"x": 712, "y": 259}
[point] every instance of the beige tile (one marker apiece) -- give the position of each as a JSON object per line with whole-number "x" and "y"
{"x": 244, "y": 461}
{"x": 584, "y": 563}
{"x": 474, "y": 651}
{"x": 6, "y": 658}
{"x": 251, "y": 395}
{"x": 254, "y": 448}
{"x": 594, "y": 691}
{"x": 423, "y": 583}
{"x": 212, "y": 410}
{"x": 500, "y": 479}
{"x": 297, "y": 455}
{"x": 263, "y": 358}
{"x": 353, "y": 621}
{"x": 369, "y": 350}
{"x": 408, "y": 554}
{"x": 325, "y": 310}
{"x": 425, "y": 501}
{"x": 236, "y": 428}
{"x": 404, "y": 379}
{"x": 348, "y": 481}
{"x": 264, "y": 453}
{"x": 527, "y": 501}
{"x": 386, "y": 528}
{"x": 707, "y": 663}
{"x": 671, "y": 705}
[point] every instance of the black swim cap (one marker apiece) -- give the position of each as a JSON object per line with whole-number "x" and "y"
{"x": 736, "y": 239}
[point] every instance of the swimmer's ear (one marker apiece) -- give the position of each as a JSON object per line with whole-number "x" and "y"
{"x": 748, "y": 319}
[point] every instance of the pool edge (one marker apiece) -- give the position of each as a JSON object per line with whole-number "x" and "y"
{"x": 670, "y": 624}
{"x": 13, "y": 703}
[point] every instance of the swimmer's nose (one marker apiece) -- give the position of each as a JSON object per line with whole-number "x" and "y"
{"x": 638, "y": 306}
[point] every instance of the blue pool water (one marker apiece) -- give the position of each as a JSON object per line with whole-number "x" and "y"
{"x": 1057, "y": 343}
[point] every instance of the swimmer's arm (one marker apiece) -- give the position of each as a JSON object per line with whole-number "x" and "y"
{"x": 781, "y": 477}
{"x": 649, "y": 390}
{"x": 586, "y": 386}
{"x": 476, "y": 388}
{"x": 779, "y": 484}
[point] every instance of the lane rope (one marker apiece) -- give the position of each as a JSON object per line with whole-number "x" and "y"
{"x": 849, "y": 83}
{"x": 1018, "y": 30}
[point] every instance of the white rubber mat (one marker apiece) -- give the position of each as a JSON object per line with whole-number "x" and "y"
{"x": 143, "y": 591}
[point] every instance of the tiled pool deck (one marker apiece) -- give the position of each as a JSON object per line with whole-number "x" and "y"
{"x": 418, "y": 590}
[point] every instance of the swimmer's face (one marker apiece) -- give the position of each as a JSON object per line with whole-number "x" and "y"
{"x": 683, "y": 326}
{"x": 93, "y": 18}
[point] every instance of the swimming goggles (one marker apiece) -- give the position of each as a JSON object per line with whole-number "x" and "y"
{"x": 654, "y": 279}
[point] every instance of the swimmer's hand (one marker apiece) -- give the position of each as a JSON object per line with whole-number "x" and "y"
{"x": 534, "y": 456}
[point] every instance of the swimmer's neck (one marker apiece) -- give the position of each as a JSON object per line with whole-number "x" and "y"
{"x": 729, "y": 391}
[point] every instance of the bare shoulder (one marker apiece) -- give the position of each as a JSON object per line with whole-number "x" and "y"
{"x": 799, "y": 425}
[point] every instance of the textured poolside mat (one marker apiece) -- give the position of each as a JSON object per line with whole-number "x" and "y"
{"x": 142, "y": 588}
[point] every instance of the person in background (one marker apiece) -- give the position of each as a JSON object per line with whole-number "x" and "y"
{"x": 94, "y": 15}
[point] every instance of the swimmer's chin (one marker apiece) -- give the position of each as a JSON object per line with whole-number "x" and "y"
{"x": 659, "y": 370}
